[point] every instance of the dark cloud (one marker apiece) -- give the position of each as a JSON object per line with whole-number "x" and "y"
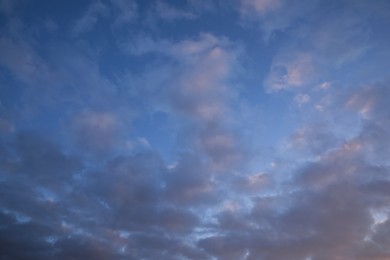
{"x": 189, "y": 182}
{"x": 53, "y": 207}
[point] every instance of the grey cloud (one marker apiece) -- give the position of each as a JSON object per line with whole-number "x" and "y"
{"x": 39, "y": 157}
{"x": 230, "y": 247}
{"x": 377, "y": 246}
{"x": 222, "y": 146}
{"x": 190, "y": 182}
{"x": 252, "y": 183}
{"x": 37, "y": 175}
{"x": 321, "y": 225}
{"x": 53, "y": 206}
{"x": 97, "y": 133}
{"x": 312, "y": 139}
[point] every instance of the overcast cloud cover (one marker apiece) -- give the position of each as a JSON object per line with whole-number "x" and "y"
{"x": 162, "y": 129}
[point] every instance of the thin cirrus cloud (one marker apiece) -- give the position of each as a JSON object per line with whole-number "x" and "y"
{"x": 162, "y": 130}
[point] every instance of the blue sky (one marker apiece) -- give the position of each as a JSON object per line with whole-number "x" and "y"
{"x": 237, "y": 129}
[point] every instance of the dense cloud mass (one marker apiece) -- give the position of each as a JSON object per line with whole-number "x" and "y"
{"x": 240, "y": 129}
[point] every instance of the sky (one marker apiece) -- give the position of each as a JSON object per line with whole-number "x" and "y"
{"x": 195, "y": 129}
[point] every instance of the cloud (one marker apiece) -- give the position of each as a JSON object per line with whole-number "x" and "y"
{"x": 312, "y": 139}
{"x": 128, "y": 208}
{"x": 35, "y": 185}
{"x": 370, "y": 103}
{"x": 88, "y": 169}
{"x": 6, "y": 126}
{"x": 203, "y": 93}
{"x": 253, "y": 183}
{"x": 189, "y": 182}
{"x": 22, "y": 60}
{"x": 124, "y": 11}
{"x": 58, "y": 75}
{"x": 7, "y": 6}
{"x": 96, "y": 132}
{"x": 290, "y": 72}
{"x": 327, "y": 210}
{"x": 275, "y": 16}
{"x": 33, "y": 150}
{"x": 197, "y": 89}
{"x": 260, "y": 6}
{"x": 170, "y": 13}
{"x": 319, "y": 47}
{"x": 301, "y": 99}
{"x": 202, "y": 6}
{"x": 88, "y": 20}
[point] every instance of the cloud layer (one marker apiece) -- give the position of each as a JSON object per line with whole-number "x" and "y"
{"x": 250, "y": 129}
